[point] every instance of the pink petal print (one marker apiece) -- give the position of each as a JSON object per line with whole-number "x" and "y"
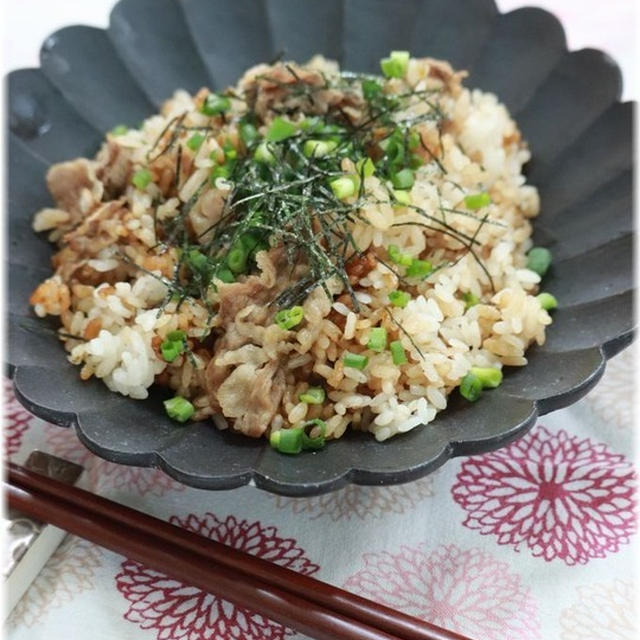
{"x": 176, "y": 611}
{"x": 559, "y": 496}
{"x": 601, "y": 611}
{"x": 103, "y": 475}
{"x": 70, "y": 570}
{"x": 612, "y": 398}
{"x": 16, "y": 421}
{"x": 360, "y": 503}
{"x": 467, "y": 591}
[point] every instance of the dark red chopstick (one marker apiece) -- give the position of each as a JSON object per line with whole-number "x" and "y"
{"x": 83, "y": 508}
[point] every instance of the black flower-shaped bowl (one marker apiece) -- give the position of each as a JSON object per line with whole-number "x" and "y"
{"x": 565, "y": 102}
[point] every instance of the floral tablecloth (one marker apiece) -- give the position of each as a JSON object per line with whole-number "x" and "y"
{"x": 535, "y": 541}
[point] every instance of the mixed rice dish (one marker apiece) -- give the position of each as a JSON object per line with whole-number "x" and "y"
{"x": 309, "y": 251}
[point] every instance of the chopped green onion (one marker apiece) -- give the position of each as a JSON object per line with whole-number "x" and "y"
{"x": 224, "y": 275}
{"x": 141, "y": 179}
{"x": 547, "y": 301}
{"x": 403, "y": 179}
{"x": 317, "y": 442}
{"x": 119, "y": 130}
{"x": 343, "y": 187}
{"x": 402, "y": 196}
{"x": 377, "y": 339}
{"x": 289, "y": 318}
{"x": 280, "y": 129}
{"x": 539, "y": 260}
{"x": 476, "y": 201}
{"x": 313, "y": 395}
{"x": 287, "y": 440}
{"x": 264, "y": 154}
{"x": 248, "y": 133}
{"x": 365, "y": 167}
{"x": 419, "y": 269}
{"x": 490, "y": 377}
{"x": 318, "y": 148}
{"x": 197, "y": 261}
{"x": 399, "y": 299}
{"x": 395, "y": 66}
{"x": 177, "y": 336}
{"x": 230, "y": 152}
{"x": 171, "y": 349}
{"x": 179, "y": 408}
{"x": 414, "y": 140}
{"x": 215, "y": 104}
{"x": 471, "y": 387}
{"x": 237, "y": 259}
{"x": 195, "y": 141}
{"x": 370, "y": 89}
{"x": 221, "y": 171}
{"x": 470, "y": 300}
{"x": 398, "y": 354}
{"x": 355, "y": 361}
{"x": 415, "y": 161}
{"x": 399, "y": 257}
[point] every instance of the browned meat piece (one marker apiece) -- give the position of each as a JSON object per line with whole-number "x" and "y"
{"x": 90, "y": 236}
{"x": 286, "y": 88}
{"x": 359, "y": 266}
{"x": 75, "y": 188}
{"x": 252, "y": 396}
{"x": 114, "y": 168}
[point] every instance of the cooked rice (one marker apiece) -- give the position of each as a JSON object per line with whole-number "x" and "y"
{"x": 121, "y": 313}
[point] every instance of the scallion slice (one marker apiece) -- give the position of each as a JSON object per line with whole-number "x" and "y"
{"x": 547, "y": 301}
{"x": 263, "y": 154}
{"x": 490, "y": 377}
{"x": 399, "y": 298}
{"x": 471, "y": 387}
{"x": 476, "y": 201}
{"x": 215, "y": 104}
{"x": 318, "y": 148}
{"x": 539, "y": 260}
{"x": 141, "y": 179}
{"x": 280, "y": 129}
{"x": 399, "y": 257}
{"x": 287, "y": 440}
{"x": 195, "y": 141}
{"x": 396, "y": 65}
{"x": 355, "y": 361}
{"x": 470, "y": 300}
{"x": 289, "y": 318}
{"x": 419, "y": 269}
{"x": 403, "y": 179}
{"x": 179, "y": 408}
{"x": 313, "y": 395}
{"x": 377, "y": 339}
{"x": 343, "y": 187}
{"x": 248, "y": 133}
{"x": 398, "y": 354}
{"x": 318, "y": 428}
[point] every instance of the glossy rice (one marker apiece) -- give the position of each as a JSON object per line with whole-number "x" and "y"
{"x": 242, "y": 370}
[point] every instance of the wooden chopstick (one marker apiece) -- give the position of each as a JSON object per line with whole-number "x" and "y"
{"x": 318, "y": 606}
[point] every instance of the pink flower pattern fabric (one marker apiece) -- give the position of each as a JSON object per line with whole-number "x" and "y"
{"x": 16, "y": 420}
{"x": 560, "y": 496}
{"x": 465, "y": 590}
{"x": 361, "y": 503}
{"x": 174, "y": 610}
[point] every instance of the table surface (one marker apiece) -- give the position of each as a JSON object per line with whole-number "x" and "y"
{"x": 534, "y": 541}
